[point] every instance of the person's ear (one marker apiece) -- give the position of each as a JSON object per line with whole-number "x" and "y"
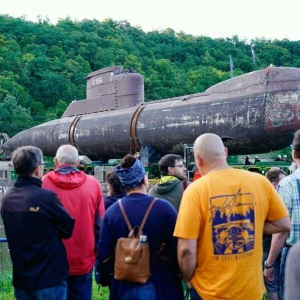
{"x": 56, "y": 161}
{"x": 294, "y": 156}
{"x": 146, "y": 180}
{"x": 36, "y": 171}
{"x": 275, "y": 184}
{"x": 78, "y": 162}
{"x": 226, "y": 151}
{"x": 198, "y": 160}
{"x": 171, "y": 170}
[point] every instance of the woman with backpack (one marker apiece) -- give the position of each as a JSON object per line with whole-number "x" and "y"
{"x": 164, "y": 282}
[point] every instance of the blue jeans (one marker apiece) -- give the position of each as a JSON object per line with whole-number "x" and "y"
{"x": 194, "y": 295}
{"x": 284, "y": 253}
{"x": 56, "y": 292}
{"x": 80, "y": 287}
{"x": 273, "y": 286}
{"x": 140, "y": 292}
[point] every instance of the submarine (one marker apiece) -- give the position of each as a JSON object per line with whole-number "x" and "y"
{"x": 253, "y": 113}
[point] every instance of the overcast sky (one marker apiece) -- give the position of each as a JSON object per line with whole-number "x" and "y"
{"x": 214, "y": 18}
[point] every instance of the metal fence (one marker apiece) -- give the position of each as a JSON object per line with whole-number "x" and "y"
{"x": 6, "y": 289}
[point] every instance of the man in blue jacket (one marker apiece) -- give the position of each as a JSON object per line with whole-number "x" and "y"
{"x": 35, "y": 222}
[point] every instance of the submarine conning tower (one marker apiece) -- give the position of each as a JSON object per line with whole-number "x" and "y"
{"x": 109, "y": 89}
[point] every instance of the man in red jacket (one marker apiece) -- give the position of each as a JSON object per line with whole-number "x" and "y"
{"x": 81, "y": 195}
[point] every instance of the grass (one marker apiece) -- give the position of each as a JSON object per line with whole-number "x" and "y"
{"x": 99, "y": 293}
{"x": 7, "y": 291}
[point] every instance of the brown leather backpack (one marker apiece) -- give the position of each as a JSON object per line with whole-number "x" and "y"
{"x": 132, "y": 259}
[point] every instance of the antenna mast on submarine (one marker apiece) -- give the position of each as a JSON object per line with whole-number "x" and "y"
{"x": 253, "y": 54}
{"x": 231, "y": 66}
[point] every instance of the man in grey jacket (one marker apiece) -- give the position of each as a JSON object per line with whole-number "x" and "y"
{"x": 173, "y": 180}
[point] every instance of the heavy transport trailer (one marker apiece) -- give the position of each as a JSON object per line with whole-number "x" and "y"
{"x": 252, "y": 113}
{"x": 236, "y": 162}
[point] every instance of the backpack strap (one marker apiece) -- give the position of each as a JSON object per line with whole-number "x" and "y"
{"x": 147, "y": 214}
{"x": 144, "y": 219}
{"x": 124, "y": 215}
{"x": 158, "y": 253}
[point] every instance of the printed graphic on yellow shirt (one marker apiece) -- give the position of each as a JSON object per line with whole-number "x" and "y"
{"x": 232, "y": 218}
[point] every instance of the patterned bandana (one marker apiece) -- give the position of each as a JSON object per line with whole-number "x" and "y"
{"x": 132, "y": 176}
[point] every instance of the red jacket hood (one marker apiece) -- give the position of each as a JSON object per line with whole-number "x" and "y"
{"x": 67, "y": 181}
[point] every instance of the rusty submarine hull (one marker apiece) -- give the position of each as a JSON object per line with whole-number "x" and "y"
{"x": 253, "y": 113}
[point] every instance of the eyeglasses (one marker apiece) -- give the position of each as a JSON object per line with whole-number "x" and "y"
{"x": 179, "y": 166}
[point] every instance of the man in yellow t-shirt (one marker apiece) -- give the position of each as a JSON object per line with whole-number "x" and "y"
{"x": 220, "y": 225}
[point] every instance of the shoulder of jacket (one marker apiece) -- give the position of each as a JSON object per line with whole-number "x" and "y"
{"x": 91, "y": 178}
{"x": 47, "y": 192}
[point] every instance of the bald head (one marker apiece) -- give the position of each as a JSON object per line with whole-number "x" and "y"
{"x": 67, "y": 154}
{"x": 210, "y": 148}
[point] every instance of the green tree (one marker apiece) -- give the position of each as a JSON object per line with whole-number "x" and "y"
{"x": 13, "y": 117}
{"x": 44, "y": 66}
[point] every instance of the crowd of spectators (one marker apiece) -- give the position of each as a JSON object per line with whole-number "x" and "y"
{"x": 206, "y": 238}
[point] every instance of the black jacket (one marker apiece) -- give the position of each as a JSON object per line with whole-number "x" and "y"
{"x": 34, "y": 222}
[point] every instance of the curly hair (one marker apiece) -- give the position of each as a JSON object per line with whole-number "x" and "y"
{"x": 113, "y": 180}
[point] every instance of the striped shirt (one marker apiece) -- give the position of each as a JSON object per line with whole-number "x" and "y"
{"x": 289, "y": 191}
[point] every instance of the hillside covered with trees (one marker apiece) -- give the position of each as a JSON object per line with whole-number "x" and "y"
{"x": 43, "y": 66}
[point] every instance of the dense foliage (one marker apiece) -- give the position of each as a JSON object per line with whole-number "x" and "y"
{"x": 43, "y": 66}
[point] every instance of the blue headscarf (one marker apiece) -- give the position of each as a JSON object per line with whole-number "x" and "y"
{"x": 132, "y": 176}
